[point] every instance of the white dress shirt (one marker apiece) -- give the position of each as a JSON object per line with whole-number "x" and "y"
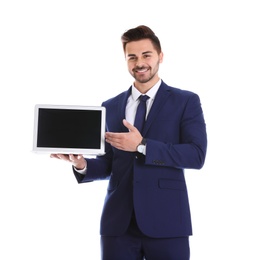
{"x": 133, "y": 101}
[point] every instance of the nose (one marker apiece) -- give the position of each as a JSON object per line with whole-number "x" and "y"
{"x": 139, "y": 62}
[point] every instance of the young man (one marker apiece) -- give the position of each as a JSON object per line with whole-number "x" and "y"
{"x": 146, "y": 212}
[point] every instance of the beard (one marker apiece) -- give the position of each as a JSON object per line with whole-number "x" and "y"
{"x": 147, "y": 76}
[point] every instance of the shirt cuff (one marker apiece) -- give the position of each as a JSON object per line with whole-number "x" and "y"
{"x": 83, "y": 171}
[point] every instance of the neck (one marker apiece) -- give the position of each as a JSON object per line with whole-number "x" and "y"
{"x": 145, "y": 87}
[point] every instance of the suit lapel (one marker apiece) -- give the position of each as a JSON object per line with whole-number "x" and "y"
{"x": 122, "y": 107}
{"x": 161, "y": 97}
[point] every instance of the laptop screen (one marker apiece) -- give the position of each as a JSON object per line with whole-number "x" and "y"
{"x": 69, "y": 129}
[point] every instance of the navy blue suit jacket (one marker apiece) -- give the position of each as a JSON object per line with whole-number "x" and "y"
{"x": 153, "y": 185}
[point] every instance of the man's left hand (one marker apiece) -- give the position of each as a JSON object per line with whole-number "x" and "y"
{"x": 125, "y": 141}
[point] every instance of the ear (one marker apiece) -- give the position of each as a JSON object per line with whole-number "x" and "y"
{"x": 161, "y": 57}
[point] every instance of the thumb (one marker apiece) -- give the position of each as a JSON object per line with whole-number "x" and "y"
{"x": 128, "y": 125}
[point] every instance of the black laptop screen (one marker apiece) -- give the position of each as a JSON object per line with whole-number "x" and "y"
{"x": 69, "y": 128}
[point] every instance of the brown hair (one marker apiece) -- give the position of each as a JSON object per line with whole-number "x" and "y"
{"x": 139, "y": 33}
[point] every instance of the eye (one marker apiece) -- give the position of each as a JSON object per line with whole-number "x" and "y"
{"x": 147, "y": 56}
{"x": 132, "y": 58}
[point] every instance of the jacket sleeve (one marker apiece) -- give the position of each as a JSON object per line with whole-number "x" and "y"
{"x": 190, "y": 149}
{"x": 98, "y": 168}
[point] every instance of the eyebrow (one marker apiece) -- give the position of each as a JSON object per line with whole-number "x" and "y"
{"x": 145, "y": 52}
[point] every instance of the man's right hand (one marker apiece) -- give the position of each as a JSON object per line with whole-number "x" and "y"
{"x": 77, "y": 161}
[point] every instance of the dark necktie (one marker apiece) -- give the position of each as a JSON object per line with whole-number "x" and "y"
{"x": 141, "y": 113}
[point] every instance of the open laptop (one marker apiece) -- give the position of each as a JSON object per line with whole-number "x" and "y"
{"x": 69, "y": 129}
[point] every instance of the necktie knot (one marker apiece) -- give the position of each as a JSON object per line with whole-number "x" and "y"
{"x": 143, "y": 98}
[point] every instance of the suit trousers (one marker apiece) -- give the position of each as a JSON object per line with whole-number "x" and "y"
{"x": 134, "y": 245}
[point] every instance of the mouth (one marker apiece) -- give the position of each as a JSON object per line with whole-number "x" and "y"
{"x": 141, "y": 70}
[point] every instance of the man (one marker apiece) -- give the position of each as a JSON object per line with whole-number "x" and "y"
{"x": 146, "y": 212}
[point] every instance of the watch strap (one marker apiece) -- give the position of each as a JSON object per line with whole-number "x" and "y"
{"x": 143, "y": 141}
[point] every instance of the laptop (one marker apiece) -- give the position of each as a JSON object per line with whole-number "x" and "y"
{"x": 69, "y": 129}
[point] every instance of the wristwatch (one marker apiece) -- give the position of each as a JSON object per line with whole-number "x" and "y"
{"x": 142, "y": 146}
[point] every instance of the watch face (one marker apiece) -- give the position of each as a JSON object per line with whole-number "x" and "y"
{"x": 140, "y": 148}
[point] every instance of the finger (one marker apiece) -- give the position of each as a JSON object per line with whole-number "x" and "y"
{"x": 71, "y": 157}
{"x": 128, "y": 125}
{"x": 63, "y": 157}
{"x": 79, "y": 156}
{"x": 113, "y": 136}
{"x": 75, "y": 157}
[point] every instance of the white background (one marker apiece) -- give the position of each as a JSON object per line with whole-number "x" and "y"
{"x": 69, "y": 52}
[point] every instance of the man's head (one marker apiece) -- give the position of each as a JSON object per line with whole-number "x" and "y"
{"x": 143, "y": 54}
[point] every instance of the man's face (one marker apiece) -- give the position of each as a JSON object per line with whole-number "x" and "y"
{"x": 143, "y": 60}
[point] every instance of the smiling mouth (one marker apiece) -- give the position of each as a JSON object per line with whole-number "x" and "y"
{"x": 140, "y": 70}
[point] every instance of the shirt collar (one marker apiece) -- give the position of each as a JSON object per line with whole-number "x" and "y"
{"x": 151, "y": 93}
